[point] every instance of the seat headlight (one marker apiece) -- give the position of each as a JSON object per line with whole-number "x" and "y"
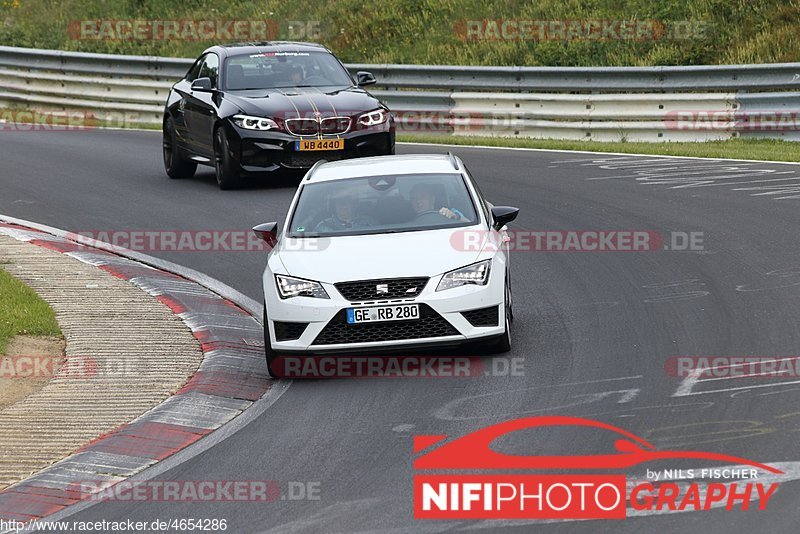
{"x": 475, "y": 274}
{"x": 254, "y": 123}
{"x": 289, "y": 286}
{"x": 379, "y": 116}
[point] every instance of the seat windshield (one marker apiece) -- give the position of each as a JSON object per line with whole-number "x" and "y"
{"x": 275, "y": 70}
{"x": 383, "y": 204}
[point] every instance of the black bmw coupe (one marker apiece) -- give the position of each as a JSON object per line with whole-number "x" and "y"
{"x": 260, "y": 107}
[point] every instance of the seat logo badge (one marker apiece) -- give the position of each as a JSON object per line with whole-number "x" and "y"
{"x": 382, "y": 288}
{"x": 411, "y": 290}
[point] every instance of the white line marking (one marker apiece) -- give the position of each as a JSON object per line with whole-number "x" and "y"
{"x": 589, "y": 152}
{"x": 752, "y": 363}
{"x": 680, "y": 176}
{"x": 684, "y": 391}
{"x": 778, "y": 392}
{"x": 447, "y": 412}
{"x": 694, "y": 378}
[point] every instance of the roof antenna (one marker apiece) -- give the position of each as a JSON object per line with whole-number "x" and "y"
{"x": 453, "y": 160}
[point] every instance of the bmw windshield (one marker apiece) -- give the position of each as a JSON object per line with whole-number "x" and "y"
{"x": 275, "y": 70}
{"x": 383, "y": 204}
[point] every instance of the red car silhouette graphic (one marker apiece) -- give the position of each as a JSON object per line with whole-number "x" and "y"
{"x": 473, "y": 451}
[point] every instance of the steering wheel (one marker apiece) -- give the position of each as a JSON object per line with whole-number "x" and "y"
{"x": 316, "y": 80}
{"x": 430, "y": 216}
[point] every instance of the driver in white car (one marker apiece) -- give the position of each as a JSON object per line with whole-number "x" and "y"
{"x": 344, "y": 210}
{"x": 423, "y": 200}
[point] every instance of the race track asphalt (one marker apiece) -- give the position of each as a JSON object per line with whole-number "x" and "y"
{"x": 592, "y": 334}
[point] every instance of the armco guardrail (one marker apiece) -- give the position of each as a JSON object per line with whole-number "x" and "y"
{"x": 606, "y": 79}
{"x": 633, "y": 103}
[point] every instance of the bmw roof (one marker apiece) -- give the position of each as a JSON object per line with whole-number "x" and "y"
{"x": 268, "y": 46}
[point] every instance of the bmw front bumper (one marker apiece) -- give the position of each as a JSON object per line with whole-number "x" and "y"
{"x": 264, "y": 151}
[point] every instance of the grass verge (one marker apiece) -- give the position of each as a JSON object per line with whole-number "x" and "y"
{"x": 22, "y": 312}
{"x": 676, "y": 32}
{"x": 756, "y": 149}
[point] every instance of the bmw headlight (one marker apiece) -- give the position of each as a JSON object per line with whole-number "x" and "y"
{"x": 475, "y": 274}
{"x": 379, "y": 116}
{"x": 254, "y": 123}
{"x": 289, "y": 286}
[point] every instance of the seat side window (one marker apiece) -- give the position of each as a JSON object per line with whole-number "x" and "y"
{"x": 481, "y": 199}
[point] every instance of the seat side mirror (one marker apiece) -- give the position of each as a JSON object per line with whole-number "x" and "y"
{"x": 267, "y": 232}
{"x": 503, "y": 215}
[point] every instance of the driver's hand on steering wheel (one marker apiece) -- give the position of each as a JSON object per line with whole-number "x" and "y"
{"x": 450, "y": 214}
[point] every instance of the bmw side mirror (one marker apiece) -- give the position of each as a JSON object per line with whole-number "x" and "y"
{"x": 503, "y": 215}
{"x": 365, "y": 78}
{"x": 267, "y": 232}
{"x": 202, "y": 84}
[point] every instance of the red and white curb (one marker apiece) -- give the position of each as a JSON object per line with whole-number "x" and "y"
{"x": 230, "y": 379}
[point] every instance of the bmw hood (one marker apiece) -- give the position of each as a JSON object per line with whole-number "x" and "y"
{"x": 338, "y": 259}
{"x": 328, "y": 101}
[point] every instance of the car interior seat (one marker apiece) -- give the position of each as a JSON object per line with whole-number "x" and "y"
{"x": 236, "y": 78}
